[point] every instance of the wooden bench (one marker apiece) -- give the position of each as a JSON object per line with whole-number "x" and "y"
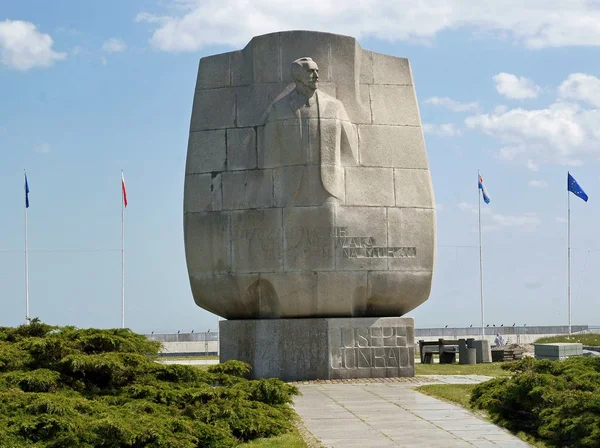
{"x": 444, "y": 348}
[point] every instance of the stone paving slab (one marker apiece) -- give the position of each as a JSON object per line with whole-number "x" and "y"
{"x": 392, "y": 414}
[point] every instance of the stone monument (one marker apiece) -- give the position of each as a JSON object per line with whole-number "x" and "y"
{"x": 309, "y": 215}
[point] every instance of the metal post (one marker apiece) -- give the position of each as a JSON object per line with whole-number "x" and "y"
{"x": 569, "y": 254}
{"x": 26, "y": 259}
{"x": 480, "y": 261}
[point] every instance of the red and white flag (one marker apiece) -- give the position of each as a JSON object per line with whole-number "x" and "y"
{"x": 124, "y": 190}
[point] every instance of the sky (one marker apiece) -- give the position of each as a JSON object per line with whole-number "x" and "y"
{"x": 509, "y": 88}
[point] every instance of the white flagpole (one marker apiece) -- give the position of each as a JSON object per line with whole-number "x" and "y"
{"x": 26, "y": 257}
{"x": 569, "y": 253}
{"x": 122, "y": 254}
{"x": 479, "y": 193}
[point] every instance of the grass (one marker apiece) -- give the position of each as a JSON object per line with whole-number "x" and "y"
{"x": 455, "y": 393}
{"x": 293, "y": 439}
{"x": 487, "y": 369}
{"x": 585, "y": 339}
{"x": 290, "y": 440}
{"x": 460, "y": 394}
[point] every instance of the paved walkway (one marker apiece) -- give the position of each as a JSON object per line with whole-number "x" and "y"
{"x": 373, "y": 414}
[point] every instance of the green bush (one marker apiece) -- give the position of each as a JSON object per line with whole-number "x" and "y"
{"x": 553, "y": 400}
{"x": 67, "y": 387}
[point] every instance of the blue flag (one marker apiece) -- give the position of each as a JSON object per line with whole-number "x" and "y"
{"x": 26, "y": 192}
{"x": 574, "y": 187}
{"x": 486, "y": 198}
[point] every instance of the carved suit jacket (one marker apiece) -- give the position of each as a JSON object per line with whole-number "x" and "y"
{"x": 282, "y": 139}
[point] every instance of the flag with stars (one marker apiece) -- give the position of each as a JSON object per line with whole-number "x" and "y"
{"x": 574, "y": 188}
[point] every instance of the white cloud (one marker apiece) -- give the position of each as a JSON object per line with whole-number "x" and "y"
{"x": 561, "y": 220}
{"x": 114, "y": 45}
{"x": 444, "y": 130}
{"x": 563, "y": 133}
{"x": 23, "y": 47}
{"x": 103, "y": 60}
{"x": 515, "y": 87}
{"x": 44, "y": 148}
{"x": 538, "y": 184}
{"x": 473, "y": 208}
{"x": 532, "y": 166}
{"x": 440, "y": 207}
{"x": 527, "y": 222}
{"x": 188, "y": 25}
{"x": 453, "y": 105}
{"x": 495, "y": 221}
{"x": 581, "y": 87}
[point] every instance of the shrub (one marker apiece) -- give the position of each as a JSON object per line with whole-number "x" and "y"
{"x": 66, "y": 387}
{"x": 556, "y": 401}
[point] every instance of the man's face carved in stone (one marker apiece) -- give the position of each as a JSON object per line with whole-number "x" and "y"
{"x": 310, "y": 76}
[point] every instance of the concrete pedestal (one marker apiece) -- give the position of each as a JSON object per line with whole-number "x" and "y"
{"x": 321, "y": 348}
{"x": 483, "y": 350}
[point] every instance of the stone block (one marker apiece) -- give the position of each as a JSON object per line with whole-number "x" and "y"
{"x": 207, "y": 237}
{"x": 253, "y": 102}
{"x": 333, "y": 285}
{"x": 266, "y": 58}
{"x": 392, "y": 146}
{"x": 558, "y": 351}
{"x": 391, "y": 70}
{"x": 241, "y": 149}
{"x": 483, "y": 351}
{"x": 308, "y": 238}
{"x": 229, "y": 295}
{"x": 257, "y": 242}
{"x": 362, "y": 231}
{"x": 241, "y": 66}
{"x": 247, "y": 189}
{"x": 202, "y": 193}
{"x": 366, "y": 67}
{"x": 321, "y": 348}
{"x": 413, "y": 230}
{"x": 214, "y": 72}
{"x": 394, "y": 105}
{"x": 396, "y": 293}
{"x": 370, "y": 186}
{"x": 413, "y": 188}
{"x": 298, "y": 185}
{"x": 296, "y": 292}
{"x": 213, "y": 109}
{"x": 206, "y": 152}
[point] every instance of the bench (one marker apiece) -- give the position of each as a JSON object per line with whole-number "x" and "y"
{"x": 444, "y": 348}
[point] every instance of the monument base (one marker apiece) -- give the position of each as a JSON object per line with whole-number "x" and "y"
{"x": 321, "y": 348}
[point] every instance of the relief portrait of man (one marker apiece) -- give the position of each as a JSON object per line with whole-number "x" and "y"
{"x": 308, "y": 139}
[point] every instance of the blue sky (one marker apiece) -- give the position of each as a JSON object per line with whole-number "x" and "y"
{"x": 90, "y": 88}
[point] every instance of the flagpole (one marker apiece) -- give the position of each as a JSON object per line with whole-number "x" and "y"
{"x": 122, "y": 256}
{"x": 480, "y": 260}
{"x": 26, "y": 258}
{"x": 569, "y": 253}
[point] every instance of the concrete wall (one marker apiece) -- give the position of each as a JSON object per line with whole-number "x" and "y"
{"x": 512, "y": 335}
{"x": 199, "y": 344}
{"x": 187, "y": 344}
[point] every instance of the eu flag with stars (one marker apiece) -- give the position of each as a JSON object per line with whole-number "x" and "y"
{"x": 26, "y": 192}
{"x": 574, "y": 187}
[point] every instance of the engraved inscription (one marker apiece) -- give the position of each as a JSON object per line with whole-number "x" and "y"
{"x": 366, "y": 348}
{"x": 366, "y": 247}
{"x": 316, "y": 241}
